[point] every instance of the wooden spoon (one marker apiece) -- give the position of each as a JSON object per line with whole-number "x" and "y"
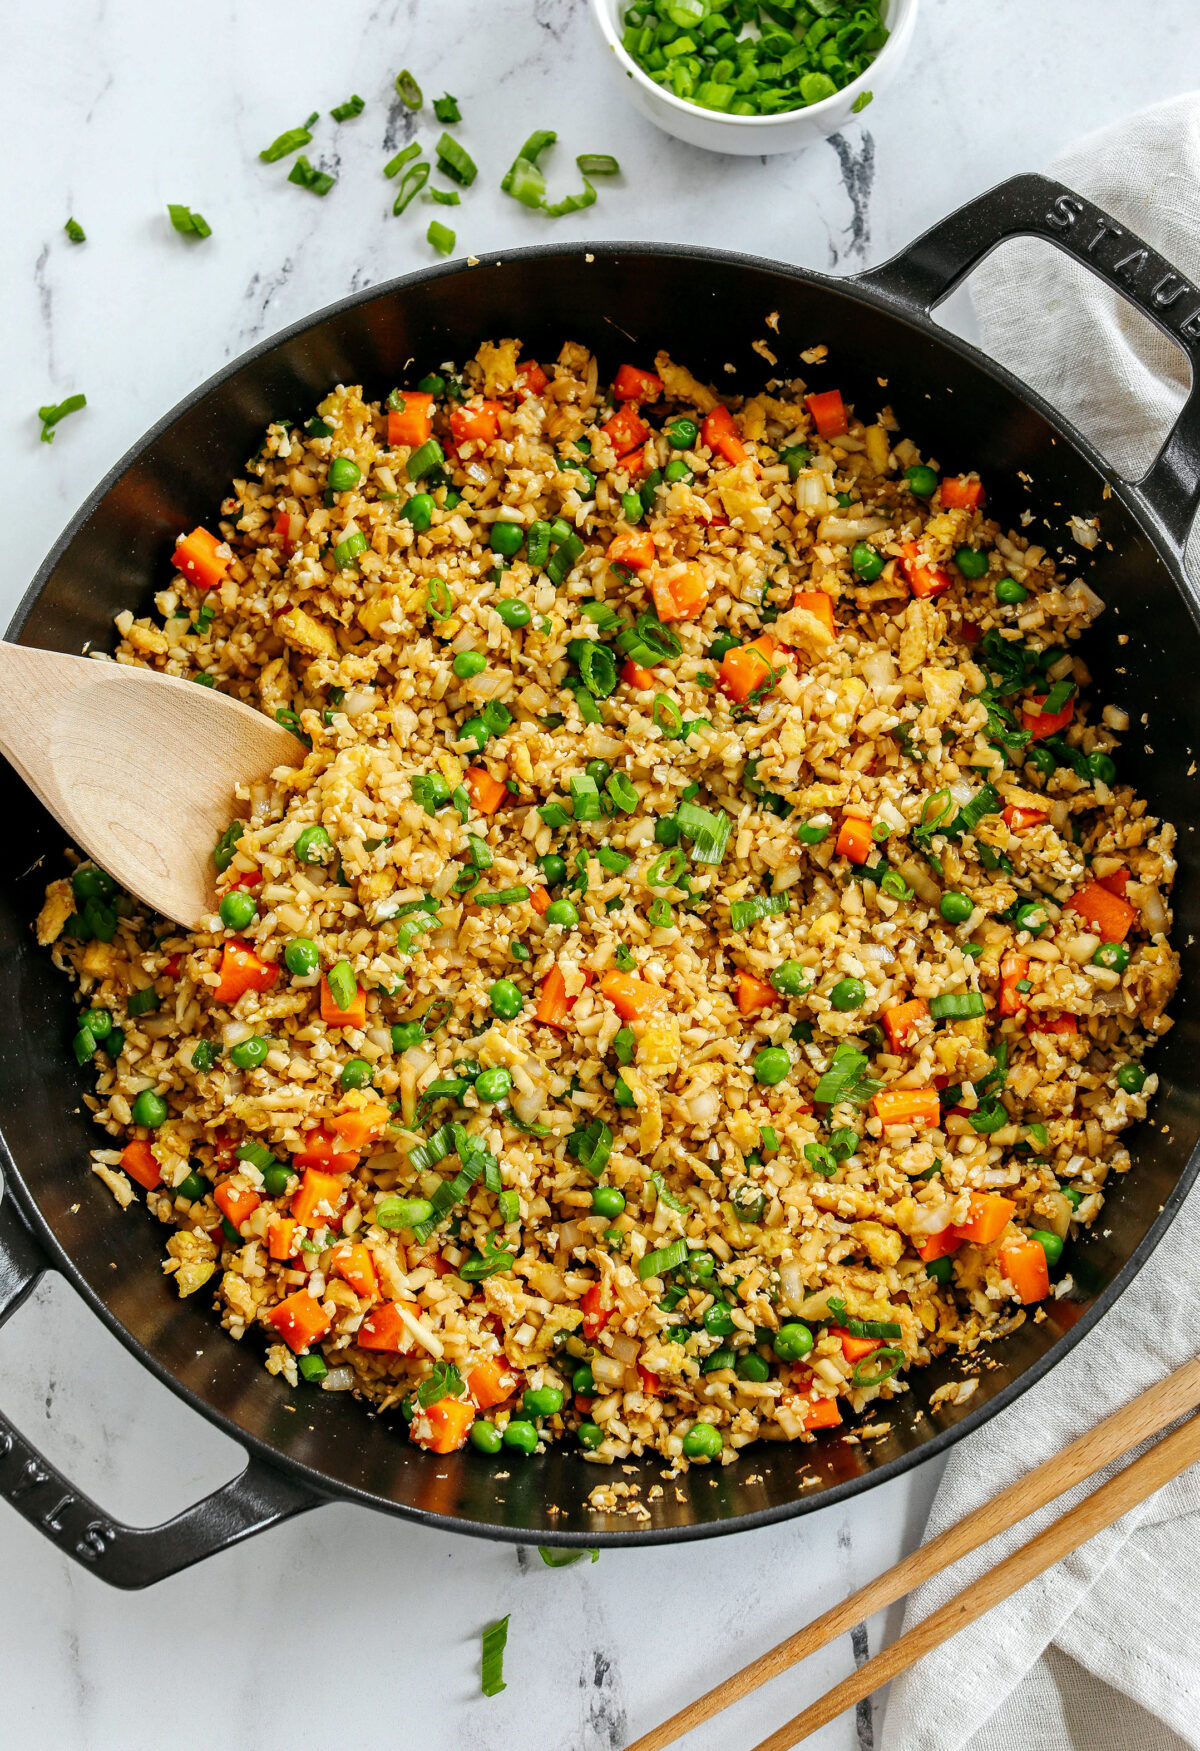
{"x": 138, "y": 768}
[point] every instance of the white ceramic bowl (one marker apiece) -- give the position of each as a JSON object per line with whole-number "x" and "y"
{"x": 751, "y": 136}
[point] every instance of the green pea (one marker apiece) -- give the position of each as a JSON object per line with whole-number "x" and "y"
{"x": 1009, "y": 592}
{"x": 1041, "y": 759}
{"x": 941, "y": 1270}
{"x": 149, "y": 1109}
{"x": 249, "y": 1054}
{"x": 1113, "y": 955}
{"x": 970, "y": 562}
{"x": 677, "y": 469}
{"x": 588, "y": 1435}
{"x": 542, "y": 1401}
{"x": 507, "y": 540}
{"x": 276, "y": 1179}
{"x": 553, "y": 868}
{"x": 956, "y": 908}
{"x": 1073, "y": 1196}
{"x": 522, "y": 1436}
{"x": 771, "y": 1065}
{"x": 681, "y": 434}
{"x": 433, "y": 384}
{"x": 1050, "y": 1244}
{"x": 313, "y": 845}
{"x": 922, "y": 480}
{"x": 562, "y": 912}
{"x": 848, "y": 994}
{"x": 600, "y": 770}
{"x": 343, "y": 474}
{"x": 790, "y": 979}
{"x": 752, "y": 1367}
{"x": 238, "y": 909}
{"x": 505, "y": 999}
{"x": 608, "y": 1202}
{"x": 356, "y": 1073}
{"x": 486, "y": 1436}
{"x": 494, "y": 1085}
{"x": 702, "y": 1441}
{"x": 792, "y": 1342}
{"x": 114, "y": 1043}
{"x": 700, "y": 1265}
{"x": 97, "y": 1022}
{"x": 1102, "y": 767}
{"x": 476, "y": 730}
{"x": 406, "y": 1034}
{"x": 469, "y": 663}
{"x": 1132, "y": 1078}
{"x": 514, "y": 613}
{"x": 583, "y": 1381}
{"x": 718, "y": 1322}
{"x": 192, "y": 1186}
{"x": 866, "y": 561}
{"x": 1032, "y": 917}
{"x": 419, "y": 511}
{"x": 812, "y": 832}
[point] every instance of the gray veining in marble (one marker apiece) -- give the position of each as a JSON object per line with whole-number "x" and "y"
{"x": 112, "y": 108}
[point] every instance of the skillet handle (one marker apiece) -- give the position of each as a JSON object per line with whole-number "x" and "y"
{"x": 933, "y": 265}
{"x": 124, "y": 1556}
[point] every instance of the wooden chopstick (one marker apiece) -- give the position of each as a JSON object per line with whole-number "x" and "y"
{"x": 1134, "y": 1423}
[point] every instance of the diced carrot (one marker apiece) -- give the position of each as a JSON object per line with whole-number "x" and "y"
{"x": 443, "y": 1427}
{"x": 828, "y": 412}
{"x": 636, "y": 550}
{"x": 235, "y": 1202}
{"x": 351, "y": 1261}
{"x": 640, "y": 462}
{"x": 281, "y": 1237}
{"x": 172, "y": 966}
{"x": 1041, "y": 724}
{"x": 720, "y": 433}
{"x": 383, "y": 1329}
{"x": 361, "y": 1125}
{"x": 680, "y": 593}
{"x": 203, "y": 558}
{"x": 631, "y": 997}
{"x": 300, "y": 1320}
{"x": 530, "y": 380}
{"x": 1041, "y": 1023}
{"x": 1025, "y": 1265}
{"x": 1108, "y": 914}
{"x": 747, "y": 668}
{"x": 413, "y": 423}
{"x": 854, "y": 838}
{"x": 486, "y": 792}
{"x": 988, "y": 1218}
{"x": 539, "y": 899}
{"x": 320, "y": 1149}
{"x": 552, "y": 1007}
{"x": 818, "y": 603}
{"x": 318, "y": 1197}
{"x": 1116, "y": 883}
{"x": 961, "y": 493}
{"x": 476, "y": 422}
{"x": 1014, "y": 969}
{"x": 854, "y": 1349}
{"x": 287, "y": 526}
{"x": 355, "y": 1015}
{"x": 924, "y": 578}
{"x": 818, "y": 1413}
{"x": 939, "y": 1245}
{"x": 637, "y": 676}
{"x": 242, "y": 970}
{"x": 970, "y": 632}
{"x": 633, "y": 384}
{"x": 491, "y": 1382}
{"x": 583, "y": 1404}
{"x": 596, "y": 1311}
{"x": 139, "y": 1162}
{"x": 902, "y": 1021}
{"x": 1019, "y": 820}
{"x": 247, "y": 878}
{"x": 907, "y": 1106}
{"x": 649, "y": 1381}
{"x": 754, "y": 994}
{"x": 626, "y": 429}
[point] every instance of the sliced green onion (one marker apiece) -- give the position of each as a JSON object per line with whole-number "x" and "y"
{"x": 142, "y": 1002}
{"x": 344, "y": 112}
{"x": 75, "y": 231}
{"x": 455, "y": 161}
{"x": 660, "y": 916}
{"x": 343, "y": 987}
{"x": 395, "y": 165}
{"x": 596, "y": 665}
{"x": 743, "y": 914}
{"x": 879, "y": 1366}
{"x": 615, "y": 862}
{"x": 603, "y": 615}
{"x": 598, "y": 164}
{"x": 562, "y": 1559}
{"x": 663, "y": 1259}
{"x": 666, "y": 869}
{"x": 285, "y": 144}
{"x": 591, "y": 1146}
{"x": 667, "y": 715}
{"x": 306, "y": 175}
{"x": 984, "y": 802}
{"x": 623, "y": 792}
{"x": 495, "y": 1639}
{"x": 503, "y": 897}
{"x": 412, "y": 183}
{"x": 585, "y": 796}
{"x": 956, "y": 1006}
{"x": 1056, "y": 698}
{"x": 874, "y": 1328}
{"x": 186, "y": 222}
{"x": 667, "y": 1196}
{"x": 554, "y": 815}
{"x": 443, "y": 1381}
{"x": 347, "y": 551}
{"x": 445, "y": 197}
{"x": 441, "y": 237}
{"x": 438, "y": 601}
{"x": 425, "y": 459}
{"x": 446, "y": 109}
{"x": 408, "y": 89}
{"x": 56, "y": 411}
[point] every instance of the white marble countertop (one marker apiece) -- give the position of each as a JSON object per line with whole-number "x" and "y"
{"x": 109, "y": 111}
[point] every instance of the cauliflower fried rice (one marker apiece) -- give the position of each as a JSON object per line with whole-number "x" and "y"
{"x": 703, "y": 963}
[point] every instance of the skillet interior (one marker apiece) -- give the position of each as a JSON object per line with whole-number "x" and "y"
{"x": 622, "y": 302}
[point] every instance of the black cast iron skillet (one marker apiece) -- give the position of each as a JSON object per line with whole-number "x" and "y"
{"x": 622, "y": 300}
